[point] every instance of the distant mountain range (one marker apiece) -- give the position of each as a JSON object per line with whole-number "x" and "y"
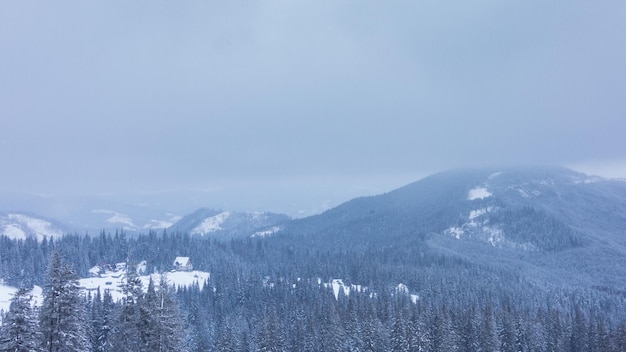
{"x": 21, "y": 225}
{"x": 228, "y": 224}
{"x": 93, "y": 214}
{"x": 549, "y": 223}
{"x": 532, "y": 258}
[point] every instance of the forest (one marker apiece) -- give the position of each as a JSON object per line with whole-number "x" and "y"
{"x": 270, "y": 296}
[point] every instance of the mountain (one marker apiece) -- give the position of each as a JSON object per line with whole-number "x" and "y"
{"x": 550, "y": 224}
{"x": 92, "y": 214}
{"x": 229, "y": 224}
{"x": 22, "y": 225}
{"x": 525, "y": 259}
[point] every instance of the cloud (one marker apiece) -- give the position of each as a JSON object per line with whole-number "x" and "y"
{"x": 159, "y": 95}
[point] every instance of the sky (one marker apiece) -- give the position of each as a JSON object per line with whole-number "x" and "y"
{"x": 312, "y": 100}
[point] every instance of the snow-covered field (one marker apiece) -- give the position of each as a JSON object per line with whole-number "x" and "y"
{"x": 6, "y": 293}
{"x": 478, "y": 193}
{"x": 113, "y": 280}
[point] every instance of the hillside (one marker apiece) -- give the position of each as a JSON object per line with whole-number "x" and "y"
{"x": 501, "y": 259}
{"x": 23, "y": 225}
{"x": 547, "y": 223}
{"x": 228, "y": 224}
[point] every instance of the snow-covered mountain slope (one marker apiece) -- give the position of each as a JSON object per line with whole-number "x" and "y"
{"x": 92, "y": 214}
{"x": 20, "y": 225}
{"x": 126, "y": 222}
{"x": 548, "y": 221}
{"x": 228, "y": 224}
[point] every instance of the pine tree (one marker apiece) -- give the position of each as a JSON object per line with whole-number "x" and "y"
{"x": 20, "y": 331}
{"x": 400, "y": 336}
{"x": 126, "y": 335}
{"x": 160, "y": 321}
{"x": 62, "y": 316}
{"x": 147, "y": 320}
{"x": 101, "y": 321}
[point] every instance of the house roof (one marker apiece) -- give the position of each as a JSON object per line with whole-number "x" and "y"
{"x": 184, "y": 261}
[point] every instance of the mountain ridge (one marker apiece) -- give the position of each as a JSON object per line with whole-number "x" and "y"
{"x": 548, "y": 221}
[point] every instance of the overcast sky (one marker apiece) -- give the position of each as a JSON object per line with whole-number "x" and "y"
{"x": 304, "y": 97}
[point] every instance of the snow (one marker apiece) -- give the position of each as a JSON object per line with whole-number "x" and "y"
{"x": 19, "y": 226}
{"x": 478, "y": 193}
{"x": 528, "y": 194}
{"x": 117, "y": 218}
{"x": 38, "y": 226}
{"x": 457, "y": 232}
{"x": 113, "y": 280}
{"x": 94, "y": 271}
{"x": 211, "y": 224}
{"x": 265, "y": 233}
{"x": 339, "y": 286}
{"x": 13, "y": 232}
{"x": 479, "y": 212}
{"x": 181, "y": 261}
{"x": 402, "y": 288}
{"x": 142, "y": 267}
{"x": 7, "y": 292}
{"x": 495, "y": 174}
{"x": 163, "y": 224}
{"x": 476, "y": 228}
{"x": 158, "y": 224}
{"x": 37, "y": 293}
{"x": 494, "y": 235}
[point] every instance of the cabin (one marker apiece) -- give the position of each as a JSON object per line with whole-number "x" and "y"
{"x": 183, "y": 264}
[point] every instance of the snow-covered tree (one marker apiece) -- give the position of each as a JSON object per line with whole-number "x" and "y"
{"x": 20, "y": 331}
{"x": 126, "y": 335}
{"x": 62, "y": 317}
{"x": 102, "y": 315}
{"x": 163, "y": 328}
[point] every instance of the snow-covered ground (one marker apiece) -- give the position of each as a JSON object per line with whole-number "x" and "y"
{"x": 478, "y": 226}
{"x": 478, "y": 193}
{"x": 162, "y": 224}
{"x": 113, "y": 280}
{"x": 117, "y": 218}
{"x": 19, "y": 226}
{"x": 211, "y": 224}
{"x": 265, "y": 233}
{"x": 339, "y": 287}
{"x": 7, "y": 292}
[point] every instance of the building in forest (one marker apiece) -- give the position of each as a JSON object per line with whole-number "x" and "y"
{"x": 183, "y": 264}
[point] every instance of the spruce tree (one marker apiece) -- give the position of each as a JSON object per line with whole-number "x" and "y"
{"x": 160, "y": 323}
{"x": 169, "y": 318}
{"x": 20, "y": 330}
{"x": 102, "y": 311}
{"x": 126, "y": 335}
{"x": 62, "y": 317}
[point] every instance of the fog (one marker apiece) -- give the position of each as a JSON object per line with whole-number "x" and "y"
{"x": 284, "y": 105}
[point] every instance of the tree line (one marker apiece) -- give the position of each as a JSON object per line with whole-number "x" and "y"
{"x": 70, "y": 321}
{"x": 269, "y": 295}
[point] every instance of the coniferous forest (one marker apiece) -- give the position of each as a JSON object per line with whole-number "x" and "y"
{"x": 270, "y": 295}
